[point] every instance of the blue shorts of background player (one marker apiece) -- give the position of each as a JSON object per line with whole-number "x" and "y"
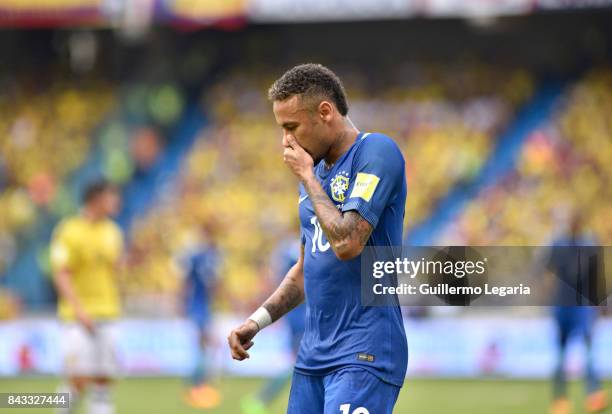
{"x": 350, "y": 390}
{"x": 201, "y": 318}
{"x": 575, "y": 320}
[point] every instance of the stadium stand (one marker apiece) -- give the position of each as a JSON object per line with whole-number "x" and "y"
{"x": 445, "y": 121}
{"x": 44, "y": 136}
{"x": 56, "y": 136}
{"x": 564, "y": 166}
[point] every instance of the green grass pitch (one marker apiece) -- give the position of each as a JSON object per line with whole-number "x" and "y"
{"x": 164, "y": 396}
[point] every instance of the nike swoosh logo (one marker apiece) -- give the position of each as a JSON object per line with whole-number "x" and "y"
{"x": 302, "y": 199}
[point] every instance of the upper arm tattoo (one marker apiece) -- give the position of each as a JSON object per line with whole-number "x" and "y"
{"x": 352, "y": 227}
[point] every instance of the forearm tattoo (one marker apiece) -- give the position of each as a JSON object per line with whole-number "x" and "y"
{"x": 340, "y": 229}
{"x": 286, "y": 297}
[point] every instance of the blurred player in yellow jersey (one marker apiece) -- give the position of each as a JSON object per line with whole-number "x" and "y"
{"x": 85, "y": 254}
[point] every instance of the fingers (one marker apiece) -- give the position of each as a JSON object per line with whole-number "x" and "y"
{"x": 236, "y": 348}
{"x": 288, "y": 153}
{"x": 296, "y": 158}
{"x": 248, "y": 345}
{"x": 87, "y": 324}
{"x": 293, "y": 143}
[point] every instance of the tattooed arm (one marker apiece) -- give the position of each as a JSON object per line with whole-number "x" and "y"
{"x": 290, "y": 293}
{"x": 346, "y": 232}
{"x": 287, "y": 296}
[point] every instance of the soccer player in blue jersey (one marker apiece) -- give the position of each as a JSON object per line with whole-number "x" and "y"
{"x": 200, "y": 263}
{"x": 568, "y": 262}
{"x": 352, "y": 193}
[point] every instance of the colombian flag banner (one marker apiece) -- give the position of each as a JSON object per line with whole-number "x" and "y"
{"x": 183, "y": 14}
{"x": 197, "y": 13}
{"x": 50, "y": 13}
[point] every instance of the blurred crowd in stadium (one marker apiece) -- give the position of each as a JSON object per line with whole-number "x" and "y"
{"x": 564, "y": 167}
{"x": 233, "y": 190}
{"x": 51, "y": 128}
{"x": 46, "y": 134}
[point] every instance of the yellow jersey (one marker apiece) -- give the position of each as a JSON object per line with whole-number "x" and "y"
{"x": 90, "y": 251}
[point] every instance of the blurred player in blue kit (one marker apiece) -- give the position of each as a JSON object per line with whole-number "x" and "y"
{"x": 200, "y": 264}
{"x": 567, "y": 262}
{"x": 284, "y": 258}
{"x": 352, "y": 194}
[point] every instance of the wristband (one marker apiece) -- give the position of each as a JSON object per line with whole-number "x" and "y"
{"x": 261, "y": 317}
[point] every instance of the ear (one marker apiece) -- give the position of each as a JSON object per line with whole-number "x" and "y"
{"x": 326, "y": 111}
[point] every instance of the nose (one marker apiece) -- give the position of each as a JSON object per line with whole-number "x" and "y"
{"x": 285, "y": 141}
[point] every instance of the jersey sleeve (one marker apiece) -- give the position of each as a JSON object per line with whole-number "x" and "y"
{"x": 62, "y": 254}
{"x": 378, "y": 168}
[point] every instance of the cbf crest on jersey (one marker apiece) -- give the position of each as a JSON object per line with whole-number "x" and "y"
{"x": 339, "y": 186}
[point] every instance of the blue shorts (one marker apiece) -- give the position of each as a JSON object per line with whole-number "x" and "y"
{"x": 350, "y": 390}
{"x": 200, "y": 317}
{"x": 575, "y": 320}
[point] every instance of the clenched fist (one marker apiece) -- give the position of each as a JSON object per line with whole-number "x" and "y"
{"x": 297, "y": 159}
{"x": 240, "y": 339}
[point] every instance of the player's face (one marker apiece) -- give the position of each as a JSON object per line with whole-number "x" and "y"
{"x": 110, "y": 202}
{"x": 304, "y": 124}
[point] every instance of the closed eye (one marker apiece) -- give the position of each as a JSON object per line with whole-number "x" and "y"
{"x": 290, "y": 127}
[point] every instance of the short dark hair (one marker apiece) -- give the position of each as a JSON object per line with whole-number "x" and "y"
{"x": 94, "y": 189}
{"x": 310, "y": 80}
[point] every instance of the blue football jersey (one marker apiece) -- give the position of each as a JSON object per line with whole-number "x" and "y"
{"x": 370, "y": 179}
{"x": 200, "y": 265}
